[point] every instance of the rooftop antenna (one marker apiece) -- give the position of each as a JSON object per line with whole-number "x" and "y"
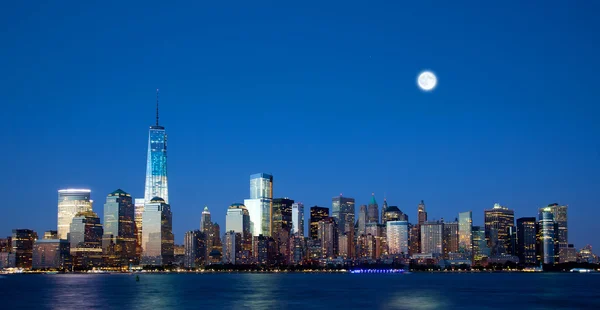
{"x": 157, "y": 107}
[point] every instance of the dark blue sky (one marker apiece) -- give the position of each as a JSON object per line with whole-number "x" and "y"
{"x": 323, "y": 96}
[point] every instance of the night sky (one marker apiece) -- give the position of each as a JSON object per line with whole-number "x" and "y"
{"x": 322, "y": 96}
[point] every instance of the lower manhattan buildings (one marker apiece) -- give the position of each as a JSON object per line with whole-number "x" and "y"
{"x": 157, "y": 233}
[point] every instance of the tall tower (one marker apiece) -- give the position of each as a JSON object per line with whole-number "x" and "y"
{"x": 119, "y": 226}
{"x": 383, "y": 210}
{"x": 560, "y": 217}
{"x": 465, "y": 233}
{"x": 156, "y": 163}
{"x": 373, "y": 210}
{"x": 260, "y": 203}
{"x": 342, "y": 210}
{"x": 71, "y": 202}
{"x": 298, "y": 219}
{"x": 422, "y": 214}
{"x": 498, "y": 221}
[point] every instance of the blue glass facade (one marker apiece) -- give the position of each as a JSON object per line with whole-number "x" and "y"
{"x": 156, "y": 168}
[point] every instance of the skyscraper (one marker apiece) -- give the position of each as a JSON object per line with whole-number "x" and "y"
{"x": 119, "y": 226}
{"x": 157, "y": 233}
{"x": 383, "y": 210}
{"x": 342, "y": 210}
{"x": 547, "y": 241}
{"x": 397, "y": 237}
{"x": 560, "y": 218}
{"x": 205, "y": 221}
{"x": 373, "y": 210}
{"x": 139, "y": 211}
{"x": 422, "y": 214}
{"x": 238, "y": 220}
{"x": 362, "y": 220}
{"x": 260, "y": 203}
{"x": 281, "y": 226}
{"x": 526, "y": 240}
{"x": 22, "y": 246}
{"x": 85, "y": 237}
{"x": 432, "y": 238}
{"x": 195, "y": 249}
{"x": 71, "y": 202}
{"x": 392, "y": 213}
{"x": 316, "y": 215}
{"x": 465, "y": 234}
{"x": 156, "y": 163}
{"x": 450, "y": 238}
{"x": 298, "y": 219}
{"x": 480, "y": 246}
{"x": 328, "y": 235}
{"x": 232, "y": 248}
{"x": 497, "y": 223}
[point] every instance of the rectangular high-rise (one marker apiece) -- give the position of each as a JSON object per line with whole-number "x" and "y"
{"x": 22, "y": 246}
{"x": 465, "y": 233}
{"x": 194, "y": 243}
{"x": 157, "y": 233}
{"x": 71, "y": 202}
{"x": 497, "y": 223}
{"x": 526, "y": 238}
{"x": 119, "y": 239}
{"x": 238, "y": 220}
{"x": 260, "y": 203}
{"x": 546, "y": 239}
{"x": 432, "y": 238}
{"x": 316, "y": 215}
{"x": 342, "y": 210}
{"x": 450, "y": 238}
{"x": 397, "y": 237}
{"x": 298, "y": 219}
{"x": 560, "y": 218}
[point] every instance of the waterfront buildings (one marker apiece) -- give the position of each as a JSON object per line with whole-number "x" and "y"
{"x": 421, "y": 213}
{"x": 85, "y": 238}
{"x": 526, "y": 241}
{"x": 560, "y": 218}
{"x": 156, "y": 163}
{"x": 481, "y": 250}
{"x": 206, "y": 221}
{"x": 392, "y": 213}
{"x": 465, "y": 233}
{"x": 432, "y": 238}
{"x": 298, "y": 219}
{"x": 362, "y": 220}
{"x": 232, "y": 249}
{"x": 328, "y": 234}
{"x": 22, "y": 246}
{"x": 373, "y": 210}
{"x": 450, "y": 238}
{"x": 316, "y": 215}
{"x": 547, "y": 237}
{"x": 497, "y": 223}
{"x": 281, "y": 226}
{"x": 157, "y": 233}
{"x": 70, "y": 203}
{"x": 238, "y": 220}
{"x": 51, "y": 253}
{"x": 260, "y": 203}
{"x": 119, "y": 240}
{"x": 397, "y": 237}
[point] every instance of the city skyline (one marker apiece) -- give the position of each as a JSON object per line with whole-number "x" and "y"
{"x": 325, "y": 105}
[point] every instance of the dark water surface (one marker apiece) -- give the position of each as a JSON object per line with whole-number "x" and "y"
{"x": 302, "y": 291}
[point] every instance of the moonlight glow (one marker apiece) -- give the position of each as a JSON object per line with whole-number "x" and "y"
{"x": 427, "y": 80}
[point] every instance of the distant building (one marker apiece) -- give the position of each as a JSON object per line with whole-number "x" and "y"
{"x": 157, "y": 233}
{"x": 260, "y": 203}
{"x": 194, "y": 249}
{"x": 282, "y": 227}
{"x": 481, "y": 250}
{"x": 362, "y": 221}
{"x": 327, "y": 232}
{"x": 298, "y": 219}
{"x": 51, "y": 254}
{"x": 547, "y": 241}
{"x": 51, "y": 234}
{"x": 232, "y": 248}
{"x": 70, "y": 203}
{"x": 264, "y": 250}
{"x": 465, "y": 233}
{"x": 6, "y": 244}
{"x": 421, "y": 213}
{"x": 432, "y": 238}
{"x": 559, "y": 214}
{"x": 7, "y": 260}
{"x": 22, "y": 246}
{"x": 392, "y": 213}
{"x": 397, "y": 237}
{"x": 497, "y": 223}
{"x": 570, "y": 255}
{"x": 526, "y": 240}
{"x": 316, "y": 215}
{"x": 373, "y": 210}
{"x": 450, "y": 238}
{"x": 342, "y": 211}
{"x": 238, "y": 220}
{"x": 139, "y": 212}
{"x": 298, "y": 250}
{"x": 85, "y": 239}
{"x": 119, "y": 240}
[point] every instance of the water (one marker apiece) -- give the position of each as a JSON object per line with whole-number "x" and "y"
{"x": 302, "y": 291}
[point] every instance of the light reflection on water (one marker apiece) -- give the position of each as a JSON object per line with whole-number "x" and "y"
{"x": 301, "y": 291}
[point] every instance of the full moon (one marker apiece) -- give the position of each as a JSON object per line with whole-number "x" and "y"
{"x": 427, "y": 80}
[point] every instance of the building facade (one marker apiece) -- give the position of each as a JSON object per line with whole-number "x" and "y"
{"x": 71, "y": 202}
{"x": 342, "y": 211}
{"x": 465, "y": 233}
{"x": 526, "y": 241}
{"x": 157, "y": 233}
{"x": 547, "y": 237}
{"x": 432, "y": 238}
{"x": 450, "y": 239}
{"x": 85, "y": 240}
{"x": 51, "y": 254}
{"x": 497, "y": 223}
{"x": 373, "y": 210}
{"x": 397, "y": 237}
{"x": 560, "y": 218}
{"x": 22, "y": 245}
{"x": 316, "y": 215}
{"x": 298, "y": 219}
{"x": 238, "y": 220}
{"x": 119, "y": 239}
{"x": 194, "y": 243}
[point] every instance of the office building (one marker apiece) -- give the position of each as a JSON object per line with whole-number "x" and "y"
{"x": 281, "y": 226}
{"x": 298, "y": 219}
{"x": 7, "y": 260}
{"x": 383, "y": 209}
{"x": 547, "y": 237}
{"x": 51, "y": 253}
{"x": 70, "y": 203}
{"x": 397, "y": 237}
{"x": 194, "y": 244}
{"x": 260, "y": 203}
{"x": 450, "y": 239}
{"x": 480, "y": 245}
{"x": 362, "y": 221}
{"x": 373, "y": 210}
{"x": 238, "y": 220}
{"x": 327, "y": 233}
{"x": 264, "y": 250}
{"x": 342, "y": 211}
{"x": 119, "y": 241}
{"x": 526, "y": 240}
{"x": 432, "y": 238}
{"x": 316, "y": 215}
{"x": 560, "y": 218}
{"x": 421, "y": 213}
{"x": 6, "y": 244}
{"x": 497, "y": 223}
{"x": 22, "y": 245}
{"x": 139, "y": 212}
{"x": 205, "y": 221}
{"x": 156, "y": 163}
{"x": 157, "y": 233}
{"x": 51, "y": 234}
{"x": 465, "y": 234}
{"x": 392, "y": 213}
{"x": 232, "y": 249}
{"x": 298, "y": 249}
{"x": 85, "y": 238}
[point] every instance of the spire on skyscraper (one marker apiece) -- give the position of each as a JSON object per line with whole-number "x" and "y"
{"x": 157, "y": 107}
